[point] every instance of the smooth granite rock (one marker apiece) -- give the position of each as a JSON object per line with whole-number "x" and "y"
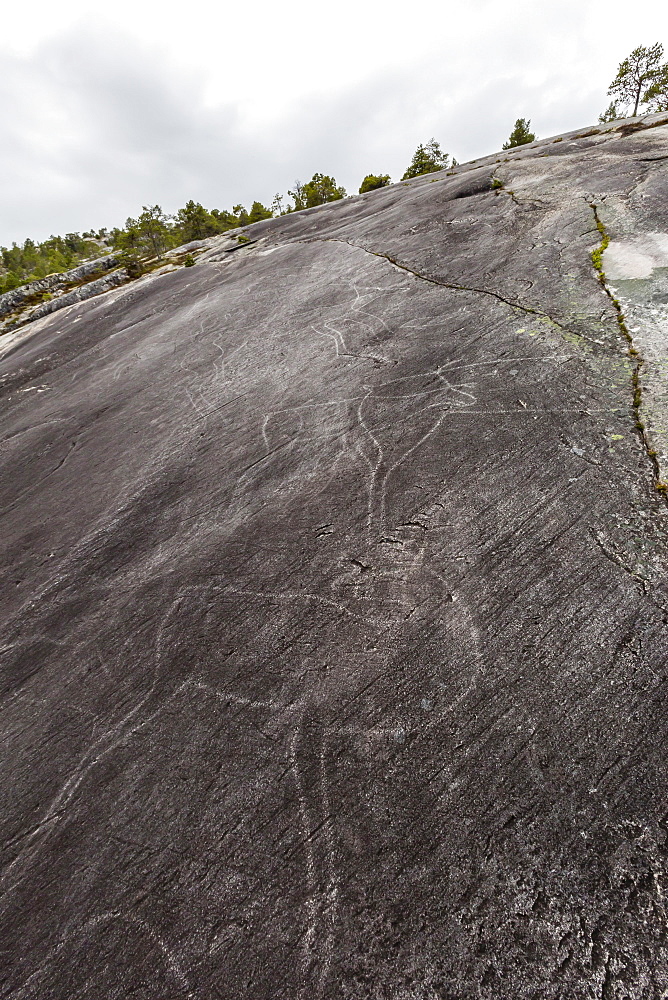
{"x": 335, "y": 603}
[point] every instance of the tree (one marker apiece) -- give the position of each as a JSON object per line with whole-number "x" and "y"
{"x": 259, "y": 212}
{"x": 131, "y": 260}
{"x": 195, "y": 223}
{"x": 611, "y": 114}
{"x": 520, "y": 135}
{"x": 641, "y": 78}
{"x": 373, "y": 181}
{"x": 426, "y": 159}
{"x": 256, "y": 214}
{"x": 320, "y": 190}
{"x": 277, "y": 204}
{"x": 657, "y": 95}
{"x": 224, "y": 220}
{"x": 154, "y": 232}
{"x": 298, "y": 197}
{"x": 241, "y": 214}
{"x": 147, "y": 236}
{"x": 30, "y": 261}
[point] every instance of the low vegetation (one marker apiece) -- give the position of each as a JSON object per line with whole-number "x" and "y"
{"x": 374, "y": 181}
{"x": 31, "y": 261}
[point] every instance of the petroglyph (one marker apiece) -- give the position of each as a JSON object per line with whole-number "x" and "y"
{"x": 334, "y": 613}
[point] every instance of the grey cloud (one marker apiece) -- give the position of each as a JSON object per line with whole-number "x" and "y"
{"x": 97, "y": 124}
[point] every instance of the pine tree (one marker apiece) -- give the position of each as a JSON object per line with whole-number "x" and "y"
{"x": 241, "y": 214}
{"x": 277, "y": 204}
{"x": 426, "y": 159}
{"x": 259, "y": 212}
{"x": 224, "y": 220}
{"x": 320, "y": 190}
{"x": 520, "y": 135}
{"x": 641, "y": 79}
{"x": 195, "y": 223}
{"x": 611, "y": 114}
{"x": 298, "y": 196}
{"x": 154, "y": 232}
{"x": 148, "y": 236}
{"x": 657, "y": 95}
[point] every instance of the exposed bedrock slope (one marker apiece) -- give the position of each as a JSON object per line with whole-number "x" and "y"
{"x": 334, "y": 605}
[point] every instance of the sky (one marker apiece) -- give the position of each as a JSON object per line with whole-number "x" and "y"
{"x": 108, "y": 107}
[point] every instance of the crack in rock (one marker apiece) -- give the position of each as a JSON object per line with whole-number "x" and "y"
{"x": 634, "y": 354}
{"x": 453, "y": 286}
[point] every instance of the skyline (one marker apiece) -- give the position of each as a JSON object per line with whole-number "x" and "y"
{"x": 101, "y": 116}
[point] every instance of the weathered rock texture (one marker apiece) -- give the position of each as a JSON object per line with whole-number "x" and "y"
{"x": 57, "y": 291}
{"x": 335, "y": 603}
{"x": 52, "y": 284}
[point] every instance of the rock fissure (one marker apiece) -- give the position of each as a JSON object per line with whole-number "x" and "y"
{"x": 453, "y": 286}
{"x": 637, "y": 360}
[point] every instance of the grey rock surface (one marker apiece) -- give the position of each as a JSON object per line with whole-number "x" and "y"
{"x": 82, "y": 292}
{"x": 334, "y": 603}
{"x": 54, "y": 283}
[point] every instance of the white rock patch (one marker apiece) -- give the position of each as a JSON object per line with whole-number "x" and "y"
{"x": 636, "y": 258}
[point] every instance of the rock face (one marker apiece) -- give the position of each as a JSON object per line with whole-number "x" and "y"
{"x": 55, "y": 283}
{"x": 334, "y": 603}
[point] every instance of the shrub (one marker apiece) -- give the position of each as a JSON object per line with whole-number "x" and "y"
{"x": 373, "y": 181}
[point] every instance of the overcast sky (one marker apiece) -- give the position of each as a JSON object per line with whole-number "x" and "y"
{"x": 106, "y": 107}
